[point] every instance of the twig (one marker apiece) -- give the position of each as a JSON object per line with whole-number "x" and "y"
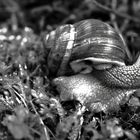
{"x": 125, "y": 23}
{"x": 41, "y": 8}
{"x": 114, "y": 22}
{"x": 112, "y": 15}
{"x": 20, "y": 98}
{"x": 41, "y": 121}
{"x": 115, "y": 12}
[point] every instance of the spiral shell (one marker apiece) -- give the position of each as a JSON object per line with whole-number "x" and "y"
{"x": 91, "y": 41}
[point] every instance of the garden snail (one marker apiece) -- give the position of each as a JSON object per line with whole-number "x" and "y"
{"x": 96, "y": 46}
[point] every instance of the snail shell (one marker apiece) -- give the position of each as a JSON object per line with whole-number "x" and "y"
{"x": 88, "y": 43}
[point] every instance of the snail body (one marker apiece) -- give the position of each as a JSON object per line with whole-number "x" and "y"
{"x": 94, "y": 48}
{"x": 91, "y": 92}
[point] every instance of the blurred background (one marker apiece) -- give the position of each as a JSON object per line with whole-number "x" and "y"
{"x": 46, "y": 15}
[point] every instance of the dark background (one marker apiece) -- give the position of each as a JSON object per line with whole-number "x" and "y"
{"x": 46, "y": 15}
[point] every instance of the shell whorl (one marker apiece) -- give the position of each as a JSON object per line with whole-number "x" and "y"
{"x": 60, "y": 43}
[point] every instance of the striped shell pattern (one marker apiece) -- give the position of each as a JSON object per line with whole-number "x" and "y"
{"x": 91, "y": 41}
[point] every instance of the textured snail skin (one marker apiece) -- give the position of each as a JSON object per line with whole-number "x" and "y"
{"x": 124, "y": 77}
{"x": 91, "y": 92}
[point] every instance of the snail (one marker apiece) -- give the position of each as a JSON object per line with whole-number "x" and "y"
{"x": 94, "y": 49}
